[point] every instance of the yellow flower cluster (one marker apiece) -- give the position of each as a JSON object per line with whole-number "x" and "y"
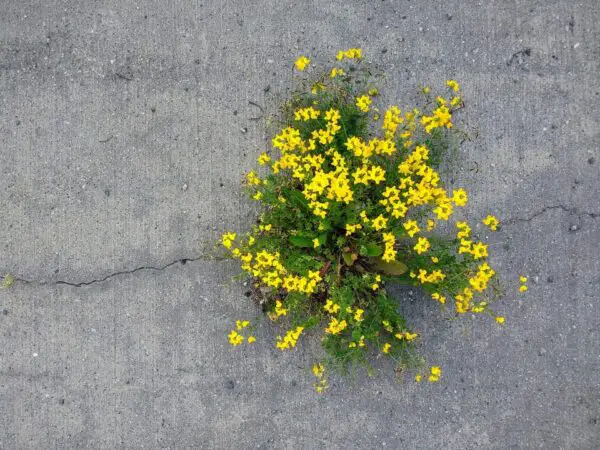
{"x": 290, "y": 339}
{"x": 235, "y": 338}
{"x": 442, "y": 117}
{"x": 351, "y": 53}
{"x": 301, "y": 63}
{"x": 479, "y": 282}
{"x": 319, "y": 373}
{"x": 523, "y": 280}
{"x": 363, "y": 103}
{"x": 389, "y": 254}
{"x": 492, "y": 222}
{"x": 336, "y": 326}
{"x": 305, "y": 114}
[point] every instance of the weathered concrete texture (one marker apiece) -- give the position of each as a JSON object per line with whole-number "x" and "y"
{"x": 124, "y": 130}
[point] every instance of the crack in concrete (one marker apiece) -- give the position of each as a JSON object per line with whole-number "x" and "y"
{"x": 119, "y": 273}
{"x": 574, "y": 211}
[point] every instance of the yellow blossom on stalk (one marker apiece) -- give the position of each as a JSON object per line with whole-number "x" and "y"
{"x": 227, "y": 239}
{"x": 251, "y": 339}
{"x": 375, "y": 285}
{"x": 523, "y": 279}
{"x": 241, "y": 324}
{"x": 479, "y": 250}
{"x": 316, "y": 243}
{"x": 379, "y": 222}
{"x": 358, "y": 313}
{"x": 351, "y": 228}
{"x": 436, "y": 373}
{"x": 411, "y": 227}
{"x": 441, "y": 118}
{"x": 253, "y": 180}
{"x": 452, "y": 84}
{"x": 280, "y": 310}
{"x": 492, "y": 222}
{"x": 523, "y": 288}
{"x": 386, "y": 347}
{"x": 459, "y": 197}
{"x": 430, "y": 224}
{"x": 336, "y": 326}
{"x": 500, "y": 319}
{"x": 335, "y": 72}
{"x": 418, "y": 378}
{"x": 331, "y": 307}
{"x": 257, "y": 196}
{"x": 351, "y": 53}
{"x": 301, "y": 63}
{"x": 422, "y": 245}
{"x": 465, "y": 230}
{"x": 290, "y": 339}
{"x": 456, "y": 101}
{"x": 318, "y": 370}
{"x": 440, "y": 298}
{"x": 263, "y": 159}
{"x": 363, "y": 103}
{"x": 235, "y": 338}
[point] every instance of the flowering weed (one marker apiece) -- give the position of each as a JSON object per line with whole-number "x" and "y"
{"x": 351, "y": 198}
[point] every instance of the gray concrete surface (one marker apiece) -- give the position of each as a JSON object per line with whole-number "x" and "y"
{"x": 121, "y": 149}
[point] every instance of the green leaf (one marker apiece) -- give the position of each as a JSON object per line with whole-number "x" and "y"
{"x": 349, "y": 258}
{"x": 371, "y": 249}
{"x": 301, "y": 241}
{"x": 389, "y": 268}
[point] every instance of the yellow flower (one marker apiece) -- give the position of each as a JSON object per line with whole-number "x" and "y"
{"x": 235, "y": 338}
{"x": 251, "y": 339}
{"x": 363, "y": 103}
{"x": 418, "y": 378}
{"x": 479, "y": 250}
{"x": 379, "y": 222}
{"x": 523, "y": 288}
{"x": 459, "y": 197}
{"x": 492, "y": 222}
{"x": 440, "y": 298}
{"x": 240, "y": 324}
{"x": 301, "y": 63}
{"x": 227, "y": 239}
{"x": 257, "y": 196}
{"x": 411, "y": 227}
{"x": 386, "y": 347}
{"x": 358, "y": 314}
{"x": 500, "y": 319}
{"x": 318, "y": 370}
{"x": 280, "y": 310}
{"x": 422, "y": 245}
{"x": 351, "y": 53}
{"x": 523, "y": 279}
{"x": 335, "y": 72}
{"x": 426, "y": 90}
{"x": 331, "y": 307}
{"x": 350, "y": 228}
{"x": 263, "y": 159}
{"x": 316, "y": 243}
{"x": 452, "y": 84}
{"x": 435, "y": 374}
{"x": 465, "y": 230}
{"x": 336, "y": 326}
